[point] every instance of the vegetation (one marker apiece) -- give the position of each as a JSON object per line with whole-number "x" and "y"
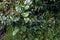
{"x": 29, "y": 19}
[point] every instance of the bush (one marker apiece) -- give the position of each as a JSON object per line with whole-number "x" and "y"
{"x": 29, "y": 19}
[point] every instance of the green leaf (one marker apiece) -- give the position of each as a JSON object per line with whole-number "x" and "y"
{"x": 26, "y": 20}
{"x": 36, "y": 39}
{"x": 26, "y": 7}
{"x": 23, "y": 28}
{"x": 15, "y": 31}
{"x": 8, "y": 34}
{"x": 16, "y": 19}
{"x": 26, "y": 14}
{"x": 3, "y": 17}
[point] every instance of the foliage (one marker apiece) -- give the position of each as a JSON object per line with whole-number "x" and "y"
{"x": 30, "y": 19}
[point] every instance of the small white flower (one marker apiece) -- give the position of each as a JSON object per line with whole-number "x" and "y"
{"x": 18, "y": 9}
{"x": 28, "y": 2}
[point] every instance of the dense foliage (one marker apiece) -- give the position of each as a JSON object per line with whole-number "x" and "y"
{"x": 29, "y": 19}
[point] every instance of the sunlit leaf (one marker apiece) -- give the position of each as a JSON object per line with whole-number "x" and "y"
{"x": 26, "y": 20}
{"x": 36, "y": 39}
{"x": 15, "y": 31}
{"x": 26, "y": 14}
{"x": 26, "y": 7}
